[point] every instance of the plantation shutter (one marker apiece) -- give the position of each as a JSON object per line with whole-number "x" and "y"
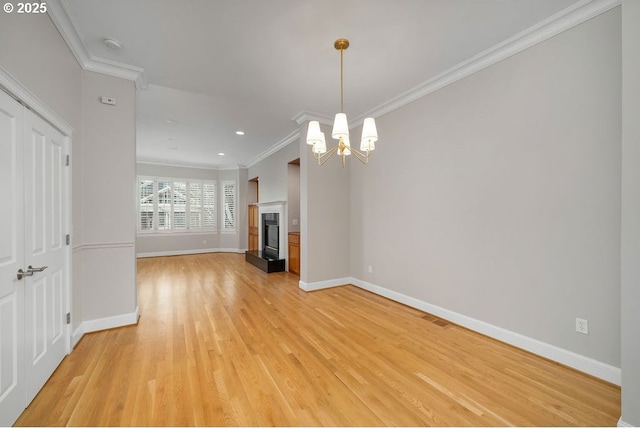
{"x": 195, "y": 205}
{"x": 209, "y": 205}
{"x": 176, "y": 205}
{"x": 164, "y": 205}
{"x": 146, "y": 193}
{"x": 179, "y": 205}
{"x": 229, "y": 205}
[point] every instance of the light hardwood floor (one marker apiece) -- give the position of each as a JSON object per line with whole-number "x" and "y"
{"x": 221, "y": 343}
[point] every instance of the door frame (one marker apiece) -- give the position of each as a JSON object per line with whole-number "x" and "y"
{"x": 25, "y": 97}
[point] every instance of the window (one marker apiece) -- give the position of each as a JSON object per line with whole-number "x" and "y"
{"x": 195, "y": 205}
{"x": 176, "y": 205}
{"x": 179, "y": 205}
{"x": 146, "y": 193}
{"x": 209, "y": 205}
{"x": 229, "y": 206}
{"x": 164, "y": 205}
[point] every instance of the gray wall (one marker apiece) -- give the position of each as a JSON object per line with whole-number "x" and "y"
{"x": 158, "y": 243}
{"x": 273, "y": 174}
{"x": 103, "y": 260}
{"x": 324, "y": 212}
{"x": 498, "y": 197}
{"x": 108, "y": 259}
{"x": 630, "y": 212}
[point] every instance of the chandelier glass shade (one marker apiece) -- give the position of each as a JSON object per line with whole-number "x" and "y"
{"x": 340, "y": 132}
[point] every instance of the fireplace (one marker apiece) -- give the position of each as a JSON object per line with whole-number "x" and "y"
{"x": 271, "y": 235}
{"x": 272, "y": 241}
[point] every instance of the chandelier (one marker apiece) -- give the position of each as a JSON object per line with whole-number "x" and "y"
{"x": 340, "y": 132}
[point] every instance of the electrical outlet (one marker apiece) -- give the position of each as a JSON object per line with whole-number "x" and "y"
{"x": 370, "y": 269}
{"x": 582, "y": 326}
{"x": 108, "y": 101}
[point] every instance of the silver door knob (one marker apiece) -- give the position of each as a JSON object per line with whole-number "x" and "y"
{"x": 22, "y": 274}
{"x": 32, "y": 269}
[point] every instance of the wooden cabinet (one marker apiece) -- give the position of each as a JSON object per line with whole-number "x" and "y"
{"x": 253, "y": 227}
{"x": 294, "y": 253}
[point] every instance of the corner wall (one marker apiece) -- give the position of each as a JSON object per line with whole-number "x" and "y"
{"x": 108, "y": 252}
{"x": 273, "y": 174}
{"x": 498, "y": 196}
{"x": 630, "y": 266}
{"x": 324, "y": 213}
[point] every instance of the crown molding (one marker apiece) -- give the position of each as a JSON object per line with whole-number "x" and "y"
{"x": 117, "y": 69}
{"x": 25, "y": 97}
{"x": 305, "y": 116}
{"x": 564, "y": 20}
{"x": 282, "y": 143}
{"x": 60, "y": 14}
{"x": 156, "y": 162}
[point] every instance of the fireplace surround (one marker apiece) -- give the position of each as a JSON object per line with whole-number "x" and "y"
{"x": 271, "y": 238}
{"x": 275, "y": 207}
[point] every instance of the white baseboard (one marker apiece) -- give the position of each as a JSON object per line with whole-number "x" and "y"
{"x": 579, "y": 362}
{"x": 188, "y": 252}
{"x": 77, "y": 335}
{"x": 104, "y": 324}
{"x": 320, "y": 285}
{"x": 622, "y": 423}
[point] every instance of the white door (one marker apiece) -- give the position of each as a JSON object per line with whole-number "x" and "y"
{"x": 12, "y": 368}
{"x": 45, "y": 251}
{"x": 33, "y": 330}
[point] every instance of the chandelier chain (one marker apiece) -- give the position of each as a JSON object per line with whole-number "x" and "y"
{"x": 341, "y": 83}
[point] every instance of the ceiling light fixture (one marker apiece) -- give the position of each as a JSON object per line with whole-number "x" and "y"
{"x": 239, "y": 132}
{"x": 112, "y": 43}
{"x": 340, "y": 132}
{"x": 220, "y": 154}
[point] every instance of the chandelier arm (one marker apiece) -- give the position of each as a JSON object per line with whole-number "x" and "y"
{"x": 322, "y": 158}
{"x": 362, "y": 157}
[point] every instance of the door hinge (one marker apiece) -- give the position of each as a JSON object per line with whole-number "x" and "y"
{"x": 68, "y": 317}
{"x": 68, "y": 239}
{"x": 67, "y": 161}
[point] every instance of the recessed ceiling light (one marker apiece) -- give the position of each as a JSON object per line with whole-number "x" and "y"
{"x": 239, "y": 132}
{"x": 112, "y": 43}
{"x": 220, "y": 154}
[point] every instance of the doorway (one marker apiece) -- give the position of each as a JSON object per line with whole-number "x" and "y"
{"x": 34, "y": 255}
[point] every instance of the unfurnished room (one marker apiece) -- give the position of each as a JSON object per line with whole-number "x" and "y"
{"x": 320, "y": 213}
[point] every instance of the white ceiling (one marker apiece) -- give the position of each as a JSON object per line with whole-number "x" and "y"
{"x": 217, "y": 66}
